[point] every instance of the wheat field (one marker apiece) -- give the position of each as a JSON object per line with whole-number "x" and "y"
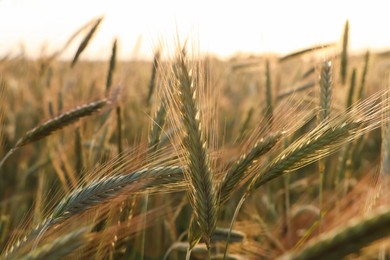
{"x": 192, "y": 157}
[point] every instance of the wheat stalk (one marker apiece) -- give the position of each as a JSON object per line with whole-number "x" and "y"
{"x": 288, "y": 92}
{"x": 85, "y": 41}
{"x": 202, "y": 187}
{"x": 55, "y": 124}
{"x": 268, "y": 92}
{"x": 61, "y": 246}
{"x": 103, "y": 190}
{"x": 364, "y": 76}
{"x": 298, "y": 154}
{"x": 344, "y": 54}
{"x": 235, "y": 175}
{"x": 326, "y": 138}
{"x": 351, "y": 91}
{"x": 346, "y": 240}
{"x": 111, "y": 68}
{"x": 60, "y": 121}
{"x": 304, "y": 51}
{"x": 152, "y": 82}
{"x": 326, "y": 90}
{"x": 246, "y": 123}
{"x": 325, "y": 103}
{"x": 157, "y": 127}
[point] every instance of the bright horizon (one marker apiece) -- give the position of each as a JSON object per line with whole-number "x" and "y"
{"x": 224, "y": 28}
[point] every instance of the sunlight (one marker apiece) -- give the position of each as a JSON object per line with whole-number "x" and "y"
{"x": 223, "y": 27}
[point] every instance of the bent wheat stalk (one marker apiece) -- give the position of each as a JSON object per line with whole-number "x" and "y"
{"x": 235, "y": 175}
{"x": 55, "y": 124}
{"x": 100, "y": 192}
{"x": 60, "y": 247}
{"x": 323, "y": 140}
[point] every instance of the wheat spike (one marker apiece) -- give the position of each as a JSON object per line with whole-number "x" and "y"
{"x": 202, "y": 187}
{"x": 304, "y": 150}
{"x": 85, "y": 41}
{"x": 326, "y": 90}
{"x": 235, "y": 175}
{"x": 344, "y": 54}
{"x": 157, "y": 127}
{"x": 304, "y": 51}
{"x": 152, "y": 82}
{"x": 364, "y": 76}
{"x": 56, "y": 124}
{"x": 111, "y": 68}
{"x": 346, "y": 240}
{"x": 60, "y": 247}
{"x": 60, "y": 121}
{"x": 103, "y": 190}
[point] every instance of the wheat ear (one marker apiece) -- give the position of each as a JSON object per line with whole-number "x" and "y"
{"x": 304, "y": 51}
{"x": 60, "y": 247}
{"x": 85, "y": 41}
{"x": 56, "y": 124}
{"x": 364, "y": 76}
{"x": 325, "y": 103}
{"x": 351, "y": 91}
{"x": 202, "y": 188}
{"x": 326, "y": 90}
{"x": 103, "y": 190}
{"x": 307, "y": 148}
{"x": 152, "y": 82}
{"x": 112, "y": 65}
{"x": 157, "y": 127}
{"x": 347, "y": 240}
{"x": 235, "y": 175}
{"x": 344, "y": 54}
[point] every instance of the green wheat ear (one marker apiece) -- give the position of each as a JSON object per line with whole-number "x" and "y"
{"x": 236, "y": 174}
{"x": 202, "y": 194}
{"x": 57, "y": 123}
{"x": 86, "y": 41}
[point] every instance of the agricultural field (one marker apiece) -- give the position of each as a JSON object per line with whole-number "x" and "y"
{"x": 193, "y": 157}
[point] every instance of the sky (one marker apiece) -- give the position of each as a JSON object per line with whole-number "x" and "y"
{"x": 223, "y": 28}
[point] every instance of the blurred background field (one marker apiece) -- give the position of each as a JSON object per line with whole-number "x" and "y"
{"x": 60, "y": 146}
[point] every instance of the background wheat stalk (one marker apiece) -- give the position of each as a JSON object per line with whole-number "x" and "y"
{"x": 55, "y": 124}
{"x": 347, "y": 240}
